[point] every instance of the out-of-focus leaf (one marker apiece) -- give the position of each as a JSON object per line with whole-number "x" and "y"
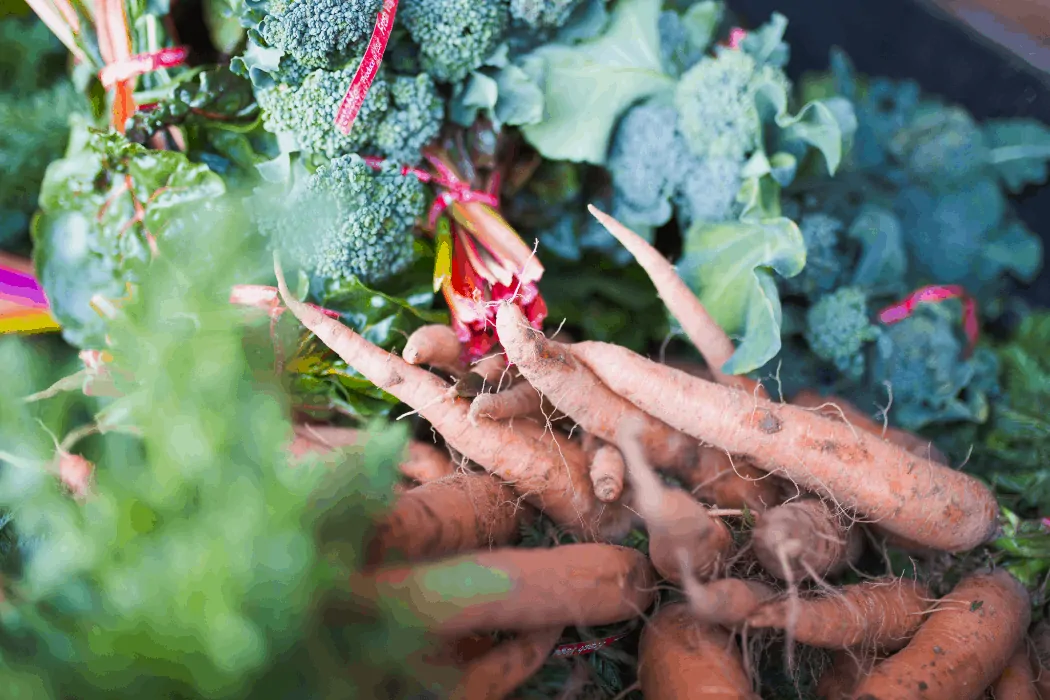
{"x": 730, "y": 267}
{"x": 940, "y": 145}
{"x": 224, "y": 24}
{"x": 1019, "y": 150}
{"x": 815, "y": 124}
{"x": 587, "y": 87}
{"x": 766, "y": 44}
{"x": 884, "y": 261}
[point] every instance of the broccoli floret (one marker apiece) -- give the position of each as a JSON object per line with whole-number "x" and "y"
{"x": 318, "y": 33}
{"x": 825, "y": 261}
{"x": 542, "y": 14}
{"x": 922, "y": 360}
{"x": 455, "y": 36}
{"x": 351, "y": 221}
{"x": 708, "y": 189}
{"x": 397, "y": 118}
{"x": 716, "y": 104}
{"x": 837, "y": 328}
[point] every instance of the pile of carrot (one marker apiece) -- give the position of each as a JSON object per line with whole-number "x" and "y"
{"x": 757, "y": 514}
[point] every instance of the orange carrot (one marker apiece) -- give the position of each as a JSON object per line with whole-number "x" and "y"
{"x": 572, "y": 388}
{"x": 1017, "y": 681}
{"x": 424, "y": 463}
{"x": 521, "y": 399}
{"x": 846, "y": 669}
{"x": 885, "y": 483}
{"x": 726, "y": 602}
{"x": 839, "y": 409}
{"x": 460, "y": 513}
{"x": 731, "y": 482}
{"x": 519, "y": 589}
{"x": 874, "y": 614}
{"x": 684, "y": 540}
{"x": 607, "y": 470}
{"x": 963, "y": 646}
{"x": 496, "y": 674}
{"x": 681, "y": 658}
{"x": 435, "y": 345}
{"x": 802, "y": 539}
{"x": 1039, "y": 655}
{"x": 549, "y": 471}
{"x": 699, "y": 327}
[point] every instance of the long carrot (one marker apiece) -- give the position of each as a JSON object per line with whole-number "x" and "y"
{"x": 435, "y": 345}
{"x": 572, "y": 388}
{"x": 549, "y": 471}
{"x": 424, "y": 462}
{"x": 802, "y": 539}
{"x": 681, "y": 658}
{"x": 519, "y": 589}
{"x": 607, "y": 471}
{"x": 460, "y": 513}
{"x": 962, "y": 647}
{"x": 886, "y": 484}
{"x": 874, "y": 614}
{"x": 521, "y": 399}
{"x": 708, "y": 337}
{"x": 496, "y": 674}
{"x": 1017, "y": 681}
{"x": 838, "y": 408}
{"x": 726, "y": 602}
{"x": 684, "y": 540}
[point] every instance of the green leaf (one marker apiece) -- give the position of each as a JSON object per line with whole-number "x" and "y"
{"x": 588, "y": 86}
{"x": 1019, "y": 150}
{"x": 222, "y": 18}
{"x": 884, "y": 261}
{"x": 701, "y": 22}
{"x": 766, "y": 44}
{"x": 730, "y": 267}
{"x": 815, "y": 124}
{"x": 478, "y": 93}
{"x": 520, "y": 100}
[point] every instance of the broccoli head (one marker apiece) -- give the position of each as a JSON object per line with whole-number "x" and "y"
{"x": 455, "y": 36}
{"x": 826, "y": 263}
{"x": 542, "y": 14}
{"x": 318, "y": 33}
{"x": 399, "y": 115}
{"x": 351, "y": 221}
{"x": 837, "y": 328}
{"x": 716, "y": 104}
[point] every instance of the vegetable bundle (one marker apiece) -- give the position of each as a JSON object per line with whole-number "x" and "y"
{"x": 356, "y": 394}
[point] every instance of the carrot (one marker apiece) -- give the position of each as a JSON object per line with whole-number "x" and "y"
{"x": 460, "y": 513}
{"x": 708, "y": 337}
{"x": 679, "y": 657}
{"x": 873, "y": 614}
{"x": 885, "y": 483}
{"x": 607, "y": 470}
{"x": 839, "y": 679}
{"x": 493, "y": 369}
{"x": 804, "y": 539}
{"x": 1017, "y": 681}
{"x": 1039, "y": 655}
{"x": 961, "y": 648}
{"x": 684, "y": 540}
{"x": 424, "y": 463}
{"x": 731, "y": 481}
{"x": 521, "y": 399}
{"x": 839, "y": 409}
{"x": 549, "y": 471}
{"x": 550, "y": 367}
{"x": 496, "y": 674}
{"x": 519, "y": 589}
{"x": 726, "y": 602}
{"x": 435, "y": 345}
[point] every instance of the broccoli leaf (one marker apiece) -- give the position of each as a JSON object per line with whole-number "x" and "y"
{"x": 588, "y": 86}
{"x": 730, "y": 267}
{"x": 1019, "y": 150}
{"x": 815, "y": 124}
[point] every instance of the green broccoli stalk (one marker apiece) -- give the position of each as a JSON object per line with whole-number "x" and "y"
{"x": 455, "y": 36}
{"x": 316, "y": 33}
{"x": 350, "y": 221}
{"x": 838, "y": 328}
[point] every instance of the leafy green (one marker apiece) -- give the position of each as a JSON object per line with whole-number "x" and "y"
{"x": 1019, "y": 150}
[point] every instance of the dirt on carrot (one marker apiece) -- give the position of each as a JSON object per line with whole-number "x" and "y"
{"x": 500, "y": 671}
{"x": 804, "y": 539}
{"x": 460, "y": 513}
{"x": 435, "y": 345}
{"x": 679, "y": 657}
{"x": 856, "y": 470}
{"x": 871, "y": 615}
{"x": 607, "y": 473}
{"x": 684, "y": 540}
{"x": 726, "y": 602}
{"x": 519, "y": 589}
{"x": 961, "y": 648}
{"x": 548, "y": 470}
